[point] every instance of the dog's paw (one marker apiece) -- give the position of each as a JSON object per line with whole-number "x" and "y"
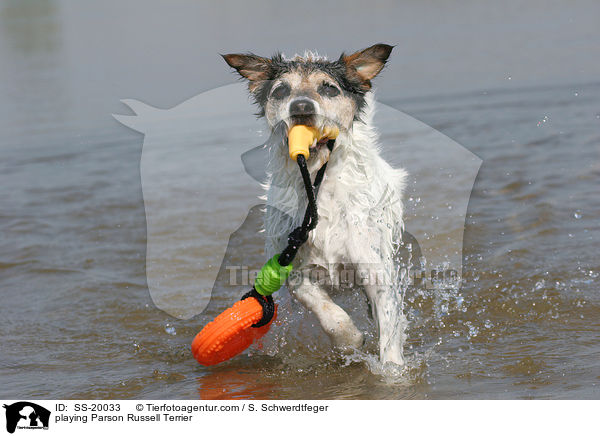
{"x": 348, "y": 340}
{"x": 392, "y": 356}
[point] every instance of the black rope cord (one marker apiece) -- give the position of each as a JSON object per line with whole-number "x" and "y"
{"x": 268, "y": 306}
{"x": 297, "y": 237}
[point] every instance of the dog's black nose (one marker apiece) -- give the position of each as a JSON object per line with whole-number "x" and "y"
{"x": 302, "y": 107}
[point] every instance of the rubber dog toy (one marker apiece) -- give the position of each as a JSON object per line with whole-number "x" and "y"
{"x": 230, "y": 333}
{"x": 300, "y": 138}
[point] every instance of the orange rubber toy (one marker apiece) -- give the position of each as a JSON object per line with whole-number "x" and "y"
{"x": 230, "y": 333}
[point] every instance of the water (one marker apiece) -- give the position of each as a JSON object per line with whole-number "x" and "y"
{"x": 78, "y": 320}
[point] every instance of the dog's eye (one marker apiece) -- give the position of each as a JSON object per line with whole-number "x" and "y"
{"x": 282, "y": 91}
{"x": 328, "y": 90}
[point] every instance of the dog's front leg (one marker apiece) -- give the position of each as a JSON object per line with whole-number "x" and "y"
{"x": 333, "y": 319}
{"x": 387, "y": 310}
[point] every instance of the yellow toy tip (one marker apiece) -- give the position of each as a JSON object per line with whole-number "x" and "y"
{"x": 300, "y": 139}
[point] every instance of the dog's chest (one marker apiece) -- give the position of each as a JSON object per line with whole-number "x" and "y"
{"x": 358, "y": 204}
{"x": 350, "y": 228}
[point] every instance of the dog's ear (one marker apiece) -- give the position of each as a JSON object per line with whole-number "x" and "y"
{"x": 366, "y": 64}
{"x": 254, "y": 68}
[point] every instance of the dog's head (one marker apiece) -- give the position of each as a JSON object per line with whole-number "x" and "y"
{"x": 311, "y": 90}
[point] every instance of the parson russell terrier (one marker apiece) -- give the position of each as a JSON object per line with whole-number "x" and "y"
{"x": 360, "y": 198}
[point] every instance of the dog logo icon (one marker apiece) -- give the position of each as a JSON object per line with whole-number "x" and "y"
{"x": 188, "y": 148}
{"x": 26, "y": 415}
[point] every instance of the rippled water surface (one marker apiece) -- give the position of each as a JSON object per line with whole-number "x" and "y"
{"x": 77, "y": 320}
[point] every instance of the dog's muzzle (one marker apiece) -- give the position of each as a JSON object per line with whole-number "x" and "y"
{"x": 302, "y": 108}
{"x": 303, "y": 111}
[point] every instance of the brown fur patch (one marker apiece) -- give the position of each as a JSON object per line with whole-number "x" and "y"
{"x": 366, "y": 64}
{"x": 252, "y": 67}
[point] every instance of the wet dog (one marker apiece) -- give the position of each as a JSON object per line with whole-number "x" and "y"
{"x": 359, "y": 199}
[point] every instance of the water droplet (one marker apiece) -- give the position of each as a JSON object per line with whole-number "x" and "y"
{"x": 577, "y": 215}
{"x": 170, "y": 330}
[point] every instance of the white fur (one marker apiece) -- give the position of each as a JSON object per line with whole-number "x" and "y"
{"x": 360, "y": 221}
